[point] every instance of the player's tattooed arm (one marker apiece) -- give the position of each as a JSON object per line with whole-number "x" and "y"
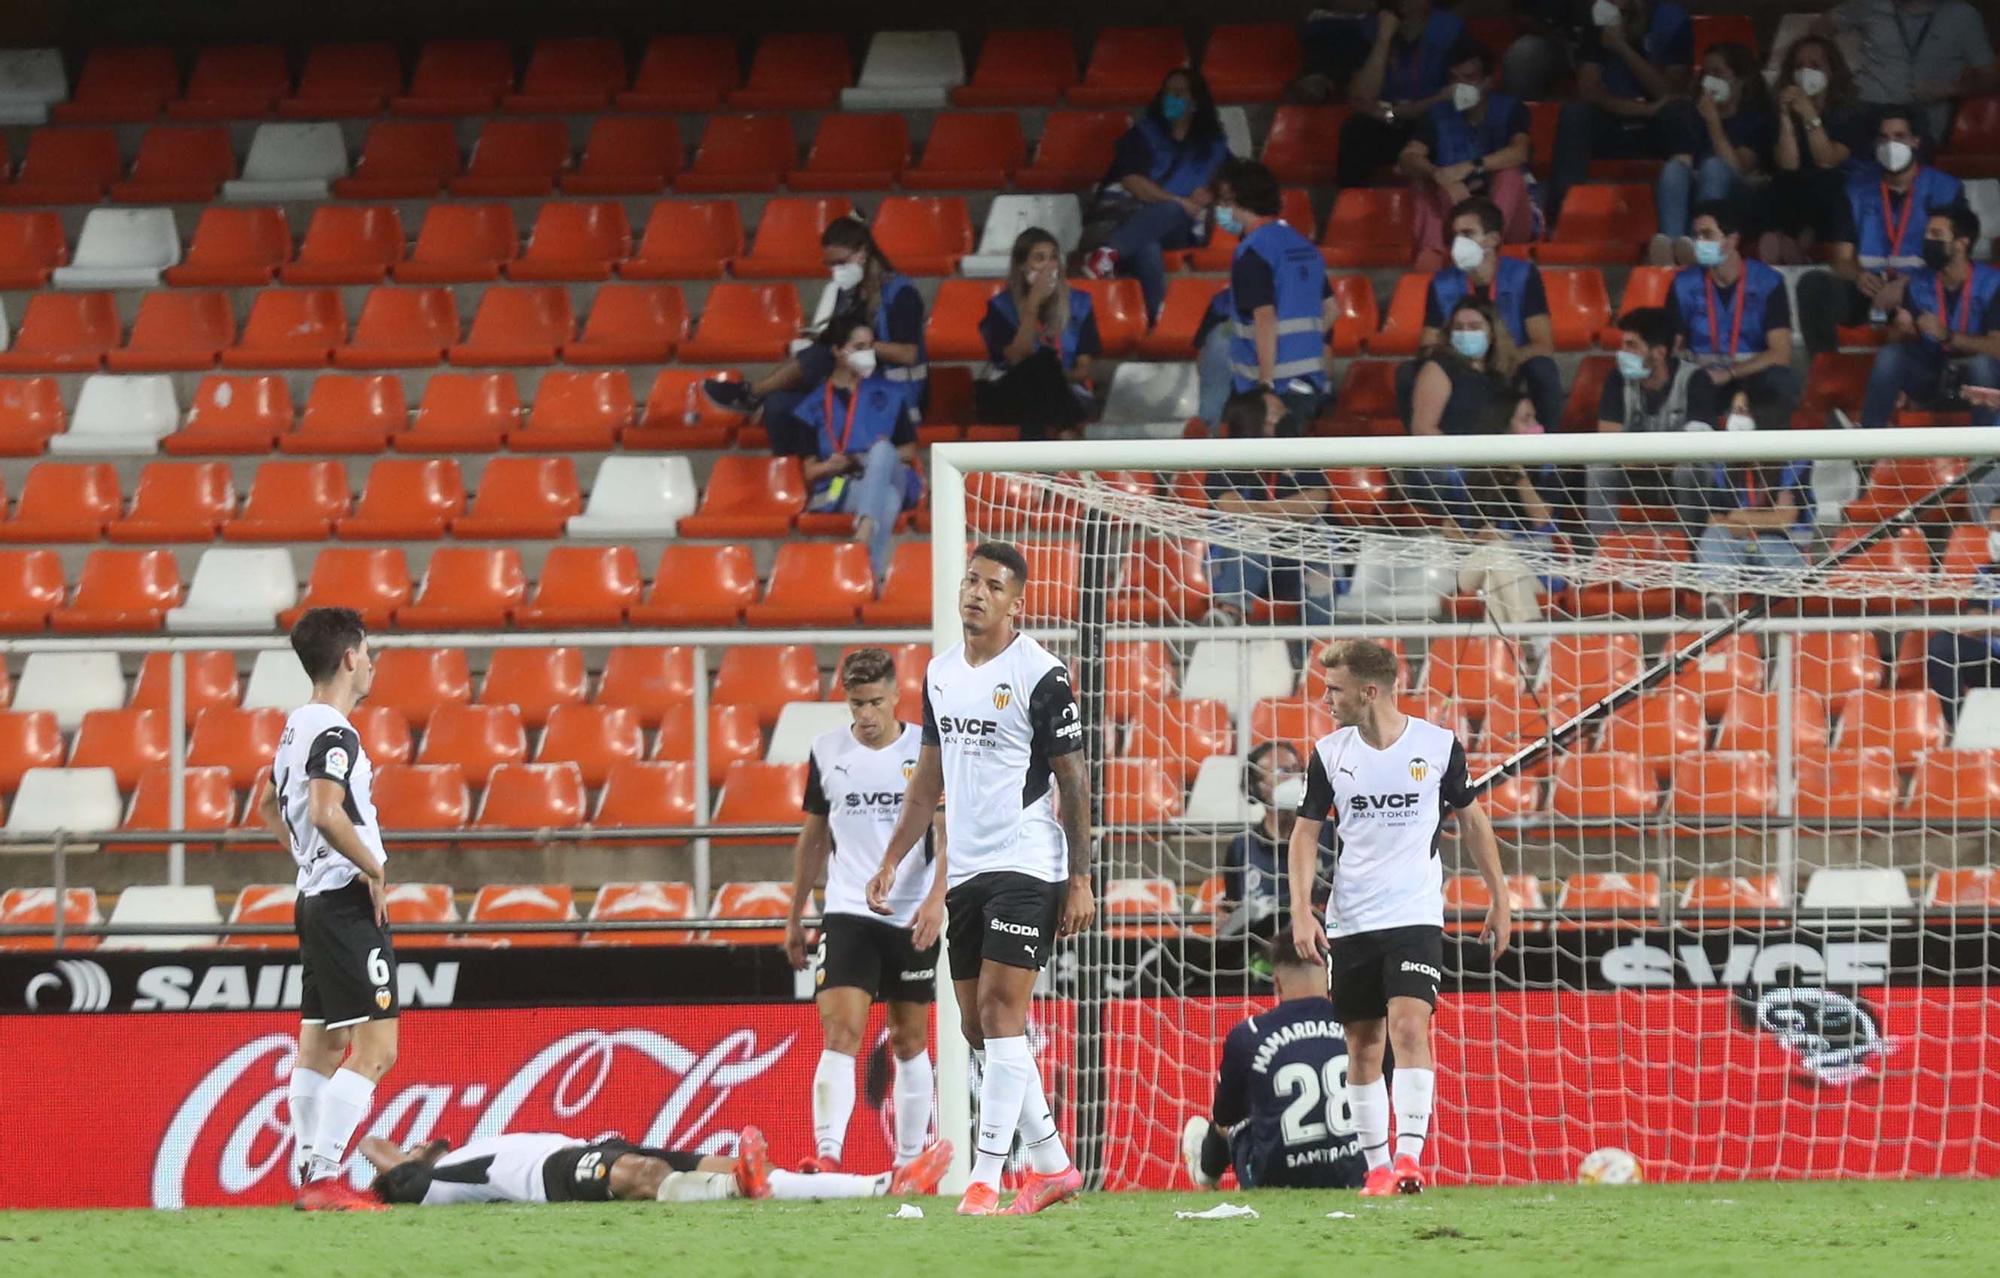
{"x": 1073, "y": 787}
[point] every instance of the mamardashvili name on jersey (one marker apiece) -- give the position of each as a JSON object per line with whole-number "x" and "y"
{"x": 997, "y": 727}
{"x": 1388, "y": 806}
{"x": 319, "y": 744}
{"x": 860, "y": 791}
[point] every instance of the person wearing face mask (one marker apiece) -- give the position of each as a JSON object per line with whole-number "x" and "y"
{"x": 1736, "y": 322}
{"x": 1880, "y": 236}
{"x": 856, "y": 441}
{"x": 1512, "y": 285}
{"x": 1239, "y": 579}
{"x": 1631, "y": 74}
{"x": 1733, "y": 144}
{"x": 1923, "y": 51}
{"x": 1474, "y": 143}
{"x": 1280, "y": 296}
{"x": 1466, "y": 385}
{"x": 1041, "y": 340}
{"x": 1253, "y": 865}
{"x": 1755, "y": 516}
{"x": 1403, "y": 78}
{"x": 1649, "y": 392}
{"x": 1950, "y": 316}
{"x": 1157, "y": 196}
{"x": 1822, "y": 131}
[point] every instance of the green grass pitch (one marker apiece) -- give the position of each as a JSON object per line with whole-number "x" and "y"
{"x": 1811, "y": 1230}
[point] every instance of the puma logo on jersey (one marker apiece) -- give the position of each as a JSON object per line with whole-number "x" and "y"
{"x": 1346, "y": 772}
{"x": 1378, "y": 802}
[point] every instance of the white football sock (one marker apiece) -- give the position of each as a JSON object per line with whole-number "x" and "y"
{"x": 343, "y": 1103}
{"x": 304, "y": 1100}
{"x": 833, "y": 1102}
{"x": 1009, "y": 1073}
{"x": 1415, "y": 1089}
{"x": 786, "y": 1184}
{"x": 1039, "y": 1136}
{"x": 1370, "y": 1104}
{"x": 913, "y": 1090}
{"x": 696, "y": 1187}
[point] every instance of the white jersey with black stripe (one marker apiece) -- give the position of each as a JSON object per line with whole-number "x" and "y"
{"x": 320, "y": 744}
{"x": 496, "y": 1169}
{"x": 859, "y": 790}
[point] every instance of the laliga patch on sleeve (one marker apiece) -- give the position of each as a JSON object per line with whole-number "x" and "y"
{"x": 335, "y": 764}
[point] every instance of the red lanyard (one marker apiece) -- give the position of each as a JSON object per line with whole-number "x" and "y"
{"x": 853, "y": 402}
{"x": 1895, "y": 232}
{"x": 1964, "y": 324}
{"x": 1735, "y": 323}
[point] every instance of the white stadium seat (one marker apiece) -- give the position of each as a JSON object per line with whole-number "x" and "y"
{"x": 637, "y": 497}
{"x": 1391, "y": 587}
{"x": 1237, "y": 672}
{"x": 122, "y": 248}
{"x": 70, "y": 684}
{"x": 237, "y": 588}
{"x": 1978, "y": 726}
{"x": 1151, "y": 401}
{"x": 1217, "y": 797}
{"x": 277, "y": 681}
{"x": 290, "y": 162}
{"x": 1983, "y": 197}
{"x": 798, "y": 723}
{"x": 193, "y": 905}
{"x": 1235, "y": 123}
{"x": 31, "y": 81}
{"x": 907, "y": 71}
{"x": 126, "y": 415}
{"x": 1861, "y": 888}
{"x": 1059, "y": 215}
{"x": 76, "y": 800}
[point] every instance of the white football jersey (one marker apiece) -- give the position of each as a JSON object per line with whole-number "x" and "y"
{"x": 860, "y": 793}
{"x": 496, "y": 1169}
{"x": 1388, "y": 806}
{"x": 320, "y": 744}
{"x": 997, "y": 726}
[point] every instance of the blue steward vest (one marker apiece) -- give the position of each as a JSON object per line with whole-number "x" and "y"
{"x": 1510, "y": 284}
{"x": 1690, "y": 296}
{"x": 1299, "y": 273}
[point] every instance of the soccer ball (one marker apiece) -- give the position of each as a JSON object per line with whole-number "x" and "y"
{"x": 1609, "y": 1166}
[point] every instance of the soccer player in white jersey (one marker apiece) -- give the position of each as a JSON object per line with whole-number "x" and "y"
{"x": 855, "y": 777}
{"x": 1001, "y": 724}
{"x": 320, "y": 805}
{"x": 1388, "y": 780}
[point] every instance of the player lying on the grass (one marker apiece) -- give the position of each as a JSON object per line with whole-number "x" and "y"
{"x": 546, "y": 1167}
{"x": 1281, "y": 1115}
{"x": 1388, "y": 780}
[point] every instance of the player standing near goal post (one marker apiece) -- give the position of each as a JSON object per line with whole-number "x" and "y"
{"x": 1000, "y": 722}
{"x": 1388, "y": 780}
{"x": 320, "y": 804}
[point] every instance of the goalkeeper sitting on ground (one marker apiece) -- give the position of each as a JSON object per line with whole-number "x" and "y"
{"x": 1280, "y": 1115}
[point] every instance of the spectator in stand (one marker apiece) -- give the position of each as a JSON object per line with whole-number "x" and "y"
{"x": 1736, "y": 322}
{"x": 1467, "y": 385}
{"x": 866, "y": 283}
{"x": 1751, "y": 516}
{"x": 1280, "y": 297}
{"x": 1630, "y": 78}
{"x": 1158, "y": 194}
{"x": 1880, "y": 235}
{"x": 1512, "y": 286}
{"x": 1237, "y": 579}
{"x": 1041, "y": 341}
{"x": 1823, "y": 133}
{"x": 1957, "y": 661}
{"x": 1535, "y": 63}
{"x": 857, "y": 440}
{"x": 1917, "y": 51}
{"x": 1474, "y": 144}
{"x": 1213, "y": 339}
{"x": 1502, "y": 511}
{"x": 1253, "y": 865}
{"x": 1733, "y": 145}
{"x": 1411, "y": 44}
{"x": 1948, "y": 326}
{"x": 1650, "y": 392}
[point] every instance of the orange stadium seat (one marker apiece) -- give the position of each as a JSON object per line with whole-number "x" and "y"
{"x": 457, "y": 77}
{"x": 402, "y": 160}
{"x": 522, "y": 903}
{"x": 344, "y": 80}
{"x": 534, "y": 681}
{"x": 65, "y": 166}
{"x": 514, "y": 158}
{"x": 1472, "y": 669}
{"x": 755, "y": 793}
{"x": 923, "y": 235}
{"x": 1016, "y": 67}
{"x": 646, "y": 794}
{"x": 952, "y": 329}
{"x": 31, "y": 588}
{"x": 1120, "y": 311}
{"x": 531, "y": 796}
{"x": 1974, "y": 147}
{"x": 372, "y": 580}
{"x": 234, "y": 82}
{"x": 462, "y": 413}
{"x": 684, "y": 73}
{"x": 1607, "y": 786}
{"x": 1302, "y": 145}
{"x": 241, "y": 743}
{"x": 1586, "y": 667}
{"x": 748, "y": 497}
{"x": 968, "y": 151}
{"x": 522, "y": 497}
{"x": 415, "y": 682}
{"x": 523, "y": 325}
{"x": 788, "y": 234}
{"x": 814, "y": 584}
{"x": 121, "y": 84}
{"x": 765, "y": 679}
{"x": 1732, "y": 664}
{"x": 1652, "y": 545}
{"x": 1137, "y": 898}
{"x": 1721, "y": 900}
{"x": 1896, "y": 483}
{"x": 347, "y": 245}
{"x": 406, "y": 499}
{"x": 1711, "y": 29}
{"x": 232, "y": 248}
{"x": 733, "y": 737}
{"x": 573, "y": 240}
{"x": 31, "y": 739}
{"x": 460, "y": 244}
{"x": 1968, "y": 549}
{"x": 1601, "y": 224}
{"x": 1075, "y": 149}
{"x": 1628, "y": 900}
{"x": 1179, "y": 734}
{"x": 1054, "y": 569}
{"x": 1907, "y": 722}
{"x": 594, "y": 739}
{"x": 385, "y": 734}
{"x": 577, "y": 74}
{"x": 290, "y": 328}
{"x": 699, "y": 586}
{"x": 1645, "y": 286}
{"x": 1251, "y": 62}
{"x": 1136, "y": 673}
{"x": 1656, "y": 726}
{"x": 417, "y": 905}
{"x": 31, "y": 246}
{"x": 64, "y": 501}
{"x": 177, "y": 501}
{"x": 854, "y": 151}
{"x": 1971, "y": 890}
{"x": 740, "y": 153}
{"x": 1836, "y": 663}
{"x": 631, "y": 324}
{"x": 744, "y": 323}
{"x": 648, "y": 680}
{"x": 1403, "y": 326}
{"x": 1138, "y": 792}
{"x": 1956, "y": 786}
{"x": 476, "y": 738}
{"x": 207, "y": 803}
{"x": 1835, "y": 379}
{"x": 346, "y": 414}
{"x": 63, "y": 333}
{"x": 126, "y": 741}
{"x": 178, "y": 165}
{"x": 1586, "y": 391}
{"x": 642, "y": 902}
{"x": 270, "y": 904}
{"x": 1750, "y": 722}
{"x": 795, "y": 71}
{"x": 1356, "y": 315}
{"x": 687, "y": 239}
{"x": 466, "y": 588}
{"x": 1579, "y": 307}
{"x": 583, "y": 586}
{"x": 1466, "y": 900}
{"x": 755, "y": 900}
{"x": 1127, "y": 64}
{"x": 626, "y": 155}
{"x": 906, "y": 589}
{"x": 1723, "y": 784}
{"x": 401, "y": 328}
{"x": 1163, "y": 579}
{"x": 27, "y": 907}
{"x": 581, "y": 412}
{"x": 1369, "y": 227}
{"x": 176, "y": 332}
{"x": 1186, "y": 305}
{"x": 126, "y": 591}
{"x": 1291, "y": 719}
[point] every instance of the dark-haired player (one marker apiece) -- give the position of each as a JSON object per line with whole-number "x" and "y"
{"x": 1000, "y": 725}
{"x": 320, "y": 805}
{"x": 1388, "y": 780}
{"x": 1281, "y": 1115}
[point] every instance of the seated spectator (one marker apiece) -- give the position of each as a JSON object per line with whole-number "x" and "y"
{"x": 1512, "y": 286}
{"x": 1502, "y": 511}
{"x": 1334, "y": 41}
{"x": 1539, "y": 58}
{"x": 1237, "y": 579}
{"x": 1214, "y": 338}
{"x": 1041, "y": 339}
{"x": 1253, "y": 865}
{"x": 1948, "y": 326}
{"x": 1465, "y": 386}
{"x": 1280, "y": 297}
{"x": 1732, "y": 146}
{"x": 1157, "y": 196}
{"x": 1473, "y": 145}
{"x": 1917, "y": 51}
{"x": 1648, "y": 393}
{"x": 1823, "y": 134}
{"x": 1411, "y": 43}
{"x": 1957, "y": 661}
{"x": 857, "y": 440}
{"x": 1879, "y": 236}
{"x": 1736, "y": 322}
{"x": 1631, "y": 73}
{"x": 867, "y": 284}
{"x": 1756, "y": 516}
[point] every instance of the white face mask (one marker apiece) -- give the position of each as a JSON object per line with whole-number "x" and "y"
{"x": 1287, "y": 795}
{"x": 862, "y": 362}
{"x": 1606, "y": 14}
{"x": 1894, "y": 156}
{"x": 1741, "y": 421}
{"x": 846, "y": 276}
{"x": 1466, "y": 254}
{"x": 1812, "y": 80}
{"x": 1465, "y": 96}
{"x": 1718, "y": 89}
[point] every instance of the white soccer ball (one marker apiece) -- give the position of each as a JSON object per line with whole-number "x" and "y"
{"x": 1609, "y": 1166}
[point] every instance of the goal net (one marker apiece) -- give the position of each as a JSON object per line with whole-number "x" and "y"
{"x": 1725, "y": 696}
